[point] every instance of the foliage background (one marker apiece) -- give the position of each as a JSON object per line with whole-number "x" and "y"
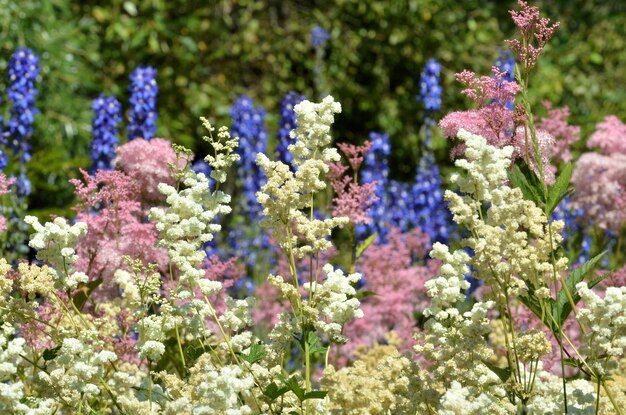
{"x": 208, "y": 53}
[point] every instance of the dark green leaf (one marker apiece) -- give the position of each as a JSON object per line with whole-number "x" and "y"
{"x": 315, "y": 345}
{"x": 255, "y": 354}
{"x": 533, "y": 303}
{"x": 50, "y": 354}
{"x": 503, "y": 373}
{"x": 293, "y": 385}
{"x": 315, "y": 395}
{"x": 273, "y": 391}
{"x": 81, "y": 296}
{"x": 562, "y": 307}
{"x": 365, "y": 244}
{"x": 194, "y": 352}
{"x": 559, "y": 190}
{"x": 526, "y": 184}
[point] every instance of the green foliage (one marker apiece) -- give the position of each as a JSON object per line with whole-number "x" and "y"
{"x": 208, "y": 53}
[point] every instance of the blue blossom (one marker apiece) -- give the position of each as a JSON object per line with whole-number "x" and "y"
{"x": 430, "y": 87}
{"x": 286, "y": 124}
{"x": 143, "y": 114}
{"x": 574, "y": 236}
{"x": 319, "y": 36}
{"x": 249, "y": 126}
{"x": 22, "y": 186}
{"x": 430, "y": 212}
{"x": 505, "y": 62}
{"x": 399, "y": 205}
{"x": 23, "y": 71}
{"x": 107, "y": 115}
{"x": 376, "y": 168}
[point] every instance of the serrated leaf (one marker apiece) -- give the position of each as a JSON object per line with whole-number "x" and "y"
{"x": 293, "y": 385}
{"x": 81, "y": 295}
{"x": 50, "y": 354}
{"x": 532, "y": 302}
{"x": 315, "y": 344}
{"x": 273, "y": 391}
{"x": 194, "y": 352}
{"x": 562, "y": 307}
{"x": 360, "y": 249}
{"x": 559, "y": 190}
{"x": 573, "y": 362}
{"x": 529, "y": 189}
{"x": 315, "y": 395}
{"x": 503, "y": 373}
{"x": 256, "y": 354}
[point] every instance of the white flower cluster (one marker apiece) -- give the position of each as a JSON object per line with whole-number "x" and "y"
{"x": 286, "y": 194}
{"x": 152, "y": 350}
{"x": 456, "y": 345}
{"x": 547, "y": 397}
{"x": 447, "y": 289}
{"x": 606, "y": 319}
{"x": 336, "y": 300}
{"x": 312, "y": 133}
{"x": 10, "y": 353}
{"x": 461, "y": 400}
{"x": 187, "y": 223}
{"x": 75, "y": 373}
{"x": 224, "y": 148}
{"x": 485, "y": 166}
{"x": 55, "y": 243}
{"x": 510, "y": 236}
{"x": 214, "y": 390}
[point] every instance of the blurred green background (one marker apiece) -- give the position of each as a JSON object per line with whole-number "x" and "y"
{"x": 207, "y": 53}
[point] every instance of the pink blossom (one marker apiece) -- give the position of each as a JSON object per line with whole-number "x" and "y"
{"x": 398, "y": 287}
{"x": 610, "y": 136}
{"x": 352, "y": 199}
{"x": 535, "y": 33}
{"x": 492, "y": 120}
{"x": 148, "y": 160}
{"x": 523, "y": 148}
{"x": 564, "y": 134}
{"x": 115, "y": 229}
{"x": 600, "y": 189}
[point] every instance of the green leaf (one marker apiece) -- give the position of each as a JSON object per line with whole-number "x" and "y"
{"x": 503, "y": 373}
{"x": 562, "y": 306}
{"x": 82, "y": 294}
{"x": 194, "y": 352}
{"x": 255, "y": 354}
{"x": 559, "y": 190}
{"x": 532, "y": 302}
{"x": 315, "y": 345}
{"x": 363, "y": 294}
{"x": 273, "y": 391}
{"x": 527, "y": 185}
{"x": 293, "y": 385}
{"x": 315, "y": 395}
{"x": 360, "y": 249}
{"x": 50, "y": 354}
{"x": 573, "y": 362}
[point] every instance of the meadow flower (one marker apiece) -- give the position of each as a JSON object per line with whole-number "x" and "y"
{"x": 107, "y": 115}
{"x": 143, "y": 114}
{"x": 23, "y": 71}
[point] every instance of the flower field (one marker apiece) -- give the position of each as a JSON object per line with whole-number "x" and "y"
{"x": 273, "y": 266}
